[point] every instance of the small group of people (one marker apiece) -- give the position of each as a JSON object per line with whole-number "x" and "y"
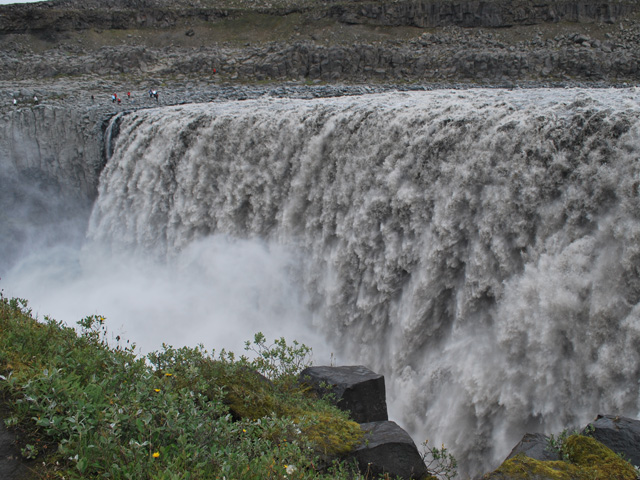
{"x": 116, "y": 99}
{"x": 35, "y": 100}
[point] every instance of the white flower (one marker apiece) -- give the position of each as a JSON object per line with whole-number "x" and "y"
{"x": 291, "y": 469}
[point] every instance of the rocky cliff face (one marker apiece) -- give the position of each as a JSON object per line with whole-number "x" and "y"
{"x": 50, "y": 159}
{"x": 453, "y": 55}
{"x": 404, "y": 41}
{"x": 58, "y": 143}
{"x": 472, "y": 13}
{"x": 77, "y": 15}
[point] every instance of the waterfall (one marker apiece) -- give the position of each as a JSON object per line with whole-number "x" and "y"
{"x": 480, "y": 248}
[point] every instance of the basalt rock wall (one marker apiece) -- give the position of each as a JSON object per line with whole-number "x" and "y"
{"x": 449, "y": 41}
{"x": 64, "y": 16}
{"x": 479, "y": 13}
{"x": 449, "y": 56}
{"x": 63, "y": 145}
{"x": 44, "y": 17}
{"x": 50, "y": 159}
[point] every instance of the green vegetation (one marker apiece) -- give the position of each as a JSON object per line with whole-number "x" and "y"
{"x": 594, "y": 457}
{"x": 586, "y": 458}
{"x": 558, "y": 443}
{"x": 439, "y": 461}
{"x": 85, "y": 409}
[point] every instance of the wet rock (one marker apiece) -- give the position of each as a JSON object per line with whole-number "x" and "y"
{"x": 388, "y": 449}
{"x": 620, "y": 434}
{"x": 355, "y": 389}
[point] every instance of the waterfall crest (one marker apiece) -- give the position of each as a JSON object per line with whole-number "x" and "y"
{"x": 480, "y": 248}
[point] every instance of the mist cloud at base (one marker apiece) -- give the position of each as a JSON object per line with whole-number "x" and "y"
{"x": 217, "y": 292}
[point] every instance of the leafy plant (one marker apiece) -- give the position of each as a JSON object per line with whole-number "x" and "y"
{"x": 439, "y": 461}
{"x": 278, "y": 360}
{"x": 86, "y": 409}
{"x": 558, "y": 444}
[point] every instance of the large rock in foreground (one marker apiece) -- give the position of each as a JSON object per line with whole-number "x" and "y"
{"x": 620, "y": 434}
{"x": 355, "y": 389}
{"x": 388, "y": 449}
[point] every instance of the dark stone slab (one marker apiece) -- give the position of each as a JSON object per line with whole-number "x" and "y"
{"x": 356, "y": 389}
{"x": 620, "y": 434}
{"x": 388, "y": 449}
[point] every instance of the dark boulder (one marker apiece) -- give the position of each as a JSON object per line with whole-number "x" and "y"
{"x": 620, "y": 434}
{"x": 536, "y": 446}
{"x": 388, "y": 449}
{"x": 355, "y": 389}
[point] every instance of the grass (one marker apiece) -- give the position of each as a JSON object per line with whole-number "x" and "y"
{"x": 85, "y": 409}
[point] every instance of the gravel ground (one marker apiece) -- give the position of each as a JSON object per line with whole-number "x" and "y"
{"x": 97, "y": 95}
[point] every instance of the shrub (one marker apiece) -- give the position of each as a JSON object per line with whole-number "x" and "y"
{"x": 90, "y": 410}
{"x": 439, "y": 461}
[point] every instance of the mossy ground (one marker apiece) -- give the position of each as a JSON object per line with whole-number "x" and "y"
{"x": 588, "y": 459}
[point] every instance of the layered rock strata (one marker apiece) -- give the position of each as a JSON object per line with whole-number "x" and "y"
{"x": 417, "y": 41}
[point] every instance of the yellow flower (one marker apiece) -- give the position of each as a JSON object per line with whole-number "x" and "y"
{"x": 168, "y": 374}
{"x": 156, "y": 454}
{"x": 244, "y": 431}
{"x": 156, "y": 389}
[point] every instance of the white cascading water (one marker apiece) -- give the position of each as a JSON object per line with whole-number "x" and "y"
{"x": 480, "y": 248}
